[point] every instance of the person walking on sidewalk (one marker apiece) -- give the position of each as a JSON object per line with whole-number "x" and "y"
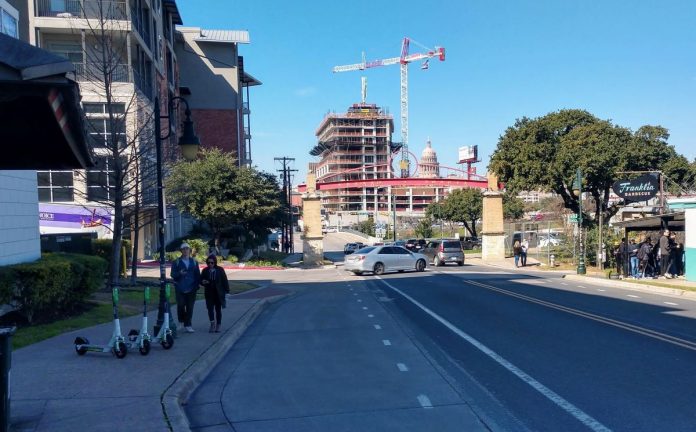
{"x": 517, "y": 251}
{"x": 524, "y": 247}
{"x": 187, "y": 278}
{"x": 214, "y": 280}
{"x": 665, "y": 250}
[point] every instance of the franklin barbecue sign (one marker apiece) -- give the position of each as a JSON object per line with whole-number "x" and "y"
{"x": 639, "y": 189}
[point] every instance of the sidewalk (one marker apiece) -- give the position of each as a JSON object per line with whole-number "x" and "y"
{"x": 54, "y": 389}
{"x": 673, "y": 287}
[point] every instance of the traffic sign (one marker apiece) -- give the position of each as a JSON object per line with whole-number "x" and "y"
{"x": 573, "y": 218}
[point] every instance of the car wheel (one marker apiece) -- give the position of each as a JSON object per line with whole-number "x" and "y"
{"x": 461, "y": 263}
{"x": 378, "y": 269}
{"x": 358, "y": 273}
{"x": 420, "y": 265}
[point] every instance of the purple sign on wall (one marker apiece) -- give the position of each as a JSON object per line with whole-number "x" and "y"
{"x": 73, "y": 216}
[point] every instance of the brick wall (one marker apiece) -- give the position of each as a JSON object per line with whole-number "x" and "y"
{"x": 217, "y": 128}
{"x": 19, "y": 217}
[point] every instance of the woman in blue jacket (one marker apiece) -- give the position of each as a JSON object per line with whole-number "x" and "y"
{"x": 187, "y": 278}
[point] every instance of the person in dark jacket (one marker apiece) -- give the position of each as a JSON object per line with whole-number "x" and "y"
{"x": 187, "y": 278}
{"x": 216, "y": 286}
{"x": 644, "y": 254}
{"x": 665, "y": 250}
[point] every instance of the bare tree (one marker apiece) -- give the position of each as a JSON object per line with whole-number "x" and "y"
{"x": 124, "y": 141}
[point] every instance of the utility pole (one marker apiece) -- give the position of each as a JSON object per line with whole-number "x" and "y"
{"x": 287, "y": 222}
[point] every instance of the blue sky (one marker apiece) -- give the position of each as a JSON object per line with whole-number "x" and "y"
{"x": 633, "y": 62}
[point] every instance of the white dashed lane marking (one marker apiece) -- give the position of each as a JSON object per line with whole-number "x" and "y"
{"x": 386, "y": 342}
{"x": 402, "y": 367}
{"x": 424, "y": 401}
{"x": 378, "y": 327}
{"x": 364, "y": 307}
{"x": 370, "y": 316}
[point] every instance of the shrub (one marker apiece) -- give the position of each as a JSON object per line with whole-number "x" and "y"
{"x": 199, "y": 248}
{"x": 52, "y": 286}
{"x": 171, "y": 256}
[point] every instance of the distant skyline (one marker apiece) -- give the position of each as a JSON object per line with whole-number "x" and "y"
{"x": 632, "y": 62}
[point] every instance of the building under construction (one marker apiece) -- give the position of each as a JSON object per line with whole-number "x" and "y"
{"x": 355, "y": 172}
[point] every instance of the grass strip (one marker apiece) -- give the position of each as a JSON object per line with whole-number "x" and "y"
{"x": 99, "y": 311}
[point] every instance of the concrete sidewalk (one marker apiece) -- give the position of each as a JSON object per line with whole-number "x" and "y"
{"x": 54, "y": 389}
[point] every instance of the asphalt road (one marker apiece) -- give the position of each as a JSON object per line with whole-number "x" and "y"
{"x": 472, "y": 348}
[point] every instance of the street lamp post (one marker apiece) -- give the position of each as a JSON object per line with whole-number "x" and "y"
{"x": 577, "y": 189}
{"x": 393, "y": 200}
{"x": 189, "y": 144}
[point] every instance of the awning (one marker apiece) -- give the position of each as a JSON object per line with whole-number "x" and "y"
{"x": 41, "y": 122}
{"x": 671, "y": 221}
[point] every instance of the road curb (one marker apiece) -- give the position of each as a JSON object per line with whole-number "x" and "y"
{"x": 676, "y": 292}
{"x": 176, "y": 396}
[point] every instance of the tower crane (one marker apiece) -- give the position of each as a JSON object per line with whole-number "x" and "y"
{"x": 404, "y": 59}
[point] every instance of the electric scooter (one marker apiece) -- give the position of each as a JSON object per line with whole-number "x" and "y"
{"x": 141, "y": 339}
{"x": 165, "y": 335}
{"x": 117, "y": 343}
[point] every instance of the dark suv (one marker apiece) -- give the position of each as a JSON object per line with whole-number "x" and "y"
{"x": 349, "y": 248}
{"x": 444, "y": 251}
{"x": 471, "y": 243}
{"x": 415, "y": 245}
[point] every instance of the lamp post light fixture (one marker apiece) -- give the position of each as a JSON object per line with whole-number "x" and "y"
{"x": 577, "y": 190}
{"x": 189, "y": 144}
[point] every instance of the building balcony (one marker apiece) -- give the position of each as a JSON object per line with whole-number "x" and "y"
{"x": 90, "y": 9}
{"x": 86, "y": 72}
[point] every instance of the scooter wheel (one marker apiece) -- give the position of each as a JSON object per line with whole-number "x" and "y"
{"x": 145, "y": 349}
{"x": 121, "y": 351}
{"x": 167, "y": 342}
{"x": 81, "y": 350}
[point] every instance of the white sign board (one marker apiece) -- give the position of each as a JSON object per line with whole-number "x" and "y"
{"x": 468, "y": 154}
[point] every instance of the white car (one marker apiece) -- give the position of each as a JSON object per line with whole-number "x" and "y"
{"x": 381, "y": 259}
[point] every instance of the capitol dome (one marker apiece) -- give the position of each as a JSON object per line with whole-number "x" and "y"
{"x": 428, "y": 165}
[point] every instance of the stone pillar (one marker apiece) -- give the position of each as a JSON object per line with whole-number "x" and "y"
{"x": 312, "y": 239}
{"x": 493, "y": 230}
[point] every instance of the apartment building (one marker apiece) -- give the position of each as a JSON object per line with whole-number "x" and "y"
{"x": 128, "y": 44}
{"x": 219, "y": 105}
{"x": 42, "y": 124}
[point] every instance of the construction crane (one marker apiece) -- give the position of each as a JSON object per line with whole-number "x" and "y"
{"x": 404, "y": 59}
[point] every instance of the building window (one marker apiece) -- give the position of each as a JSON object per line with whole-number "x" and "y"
{"x": 99, "y": 126}
{"x": 101, "y": 181}
{"x": 9, "y": 17}
{"x": 55, "y": 186}
{"x": 71, "y": 51}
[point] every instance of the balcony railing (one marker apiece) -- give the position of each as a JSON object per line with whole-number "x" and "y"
{"x": 92, "y": 9}
{"x": 95, "y": 71}
{"x": 143, "y": 84}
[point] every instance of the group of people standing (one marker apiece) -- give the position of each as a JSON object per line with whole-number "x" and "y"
{"x": 519, "y": 250}
{"x": 662, "y": 259}
{"x": 188, "y": 278}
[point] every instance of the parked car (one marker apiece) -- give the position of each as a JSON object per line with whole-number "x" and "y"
{"x": 381, "y": 259}
{"x": 471, "y": 243}
{"x": 441, "y": 252}
{"x": 415, "y": 245}
{"x": 349, "y": 248}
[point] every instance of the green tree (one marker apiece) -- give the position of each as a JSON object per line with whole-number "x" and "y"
{"x": 544, "y": 153}
{"x": 513, "y": 207}
{"x": 424, "y": 228}
{"x": 365, "y": 227}
{"x": 215, "y": 190}
{"x": 465, "y": 206}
